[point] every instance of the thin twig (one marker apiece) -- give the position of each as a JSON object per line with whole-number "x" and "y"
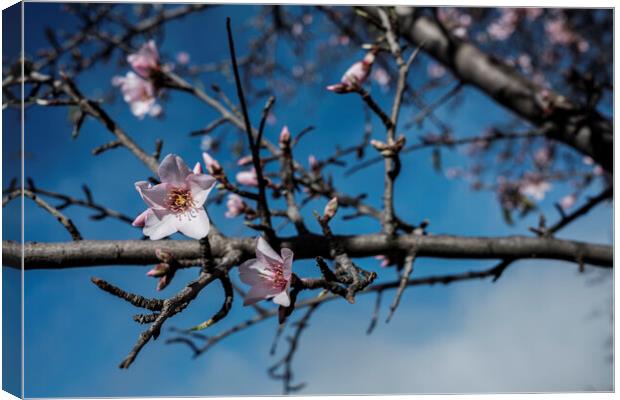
{"x": 64, "y": 221}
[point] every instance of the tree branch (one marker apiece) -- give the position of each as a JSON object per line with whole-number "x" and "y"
{"x": 139, "y": 252}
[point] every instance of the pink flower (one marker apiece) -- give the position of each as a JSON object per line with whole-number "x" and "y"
{"x": 211, "y": 163}
{"x": 269, "y": 275}
{"x": 535, "y": 186}
{"x": 297, "y": 29}
{"x": 505, "y": 25}
{"x": 533, "y": 13}
{"x": 182, "y": 57}
{"x": 247, "y": 178}
{"x": 355, "y": 76}
{"x": 568, "y": 201}
{"x": 381, "y": 77}
{"x": 543, "y": 157}
{"x": 435, "y": 70}
{"x": 558, "y": 32}
{"x": 235, "y": 205}
{"x": 146, "y": 60}
{"x": 139, "y": 93}
{"x": 176, "y": 204}
{"x": 598, "y": 170}
{"x": 453, "y": 172}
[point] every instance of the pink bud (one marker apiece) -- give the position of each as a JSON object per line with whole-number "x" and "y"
{"x": 159, "y": 270}
{"x": 598, "y": 170}
{"x": 247, "y": 178}
{"x": 385, "y": 261}
{"x": 568, "y": 201}
{"x": 197, "y": 169}
{"x": 235, "y": 206}
{"x": 245, "y": 160}
{"x": 314, "y": 163}
{"x": 285, "y": 136}
{"x": 211, "y": 163}
{"x": 330, "y": 208}
{"x": 182, "y": 57}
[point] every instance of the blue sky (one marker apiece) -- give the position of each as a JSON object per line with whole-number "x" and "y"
{"x": 534, "y": 330}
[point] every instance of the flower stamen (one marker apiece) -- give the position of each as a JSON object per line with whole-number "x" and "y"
{"x": 179, "y": 200}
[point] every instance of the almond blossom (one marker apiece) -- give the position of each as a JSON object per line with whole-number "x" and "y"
{"x": 355, "y": 76}
{"x": 269, "y": 275}
{"x": 139, "y": 93}
{"x": 146, "y": 60}
{"x": 182, "y": 57}
{"x": 534, "y": 186}
{"x": 235, "y": 206}
{"x": 176, "y": 204}
{"x": 568, "y": 201}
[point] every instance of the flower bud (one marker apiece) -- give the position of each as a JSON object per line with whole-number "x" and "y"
{"x": 314, "y": 163}
{"x": 330, "y": 208}
{"x": 211, "y": 163}
{"x": 285, "y": 137}
{"x": 159, "y": 270}
{"x": 197, "y": 169}
{"x": 245, "y": 160}
{"x": 379, "y": 145}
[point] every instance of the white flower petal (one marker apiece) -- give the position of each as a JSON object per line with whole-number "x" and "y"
{"x": 157, "y": 229}
{"x": 194, "y": 224}
{"x": 263, "y": 249}
{"x": 282, "y": 299}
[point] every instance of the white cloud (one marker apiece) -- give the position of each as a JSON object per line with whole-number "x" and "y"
{"x": 530, "y": 332}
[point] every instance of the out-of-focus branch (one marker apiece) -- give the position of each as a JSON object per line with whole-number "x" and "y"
{"x": 589, "y": 133}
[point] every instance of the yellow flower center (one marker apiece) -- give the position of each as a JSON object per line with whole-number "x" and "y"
{"x": 179, "y": 200}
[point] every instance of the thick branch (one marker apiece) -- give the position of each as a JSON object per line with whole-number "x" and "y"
{"x": 139, "y": 252}
{"x": 591, "y": 134}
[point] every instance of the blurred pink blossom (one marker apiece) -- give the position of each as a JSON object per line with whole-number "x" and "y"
{"x": 543, "y": 157}
{"x": 381, "y": 76}
{"x": 435, "y": 70}
{"x": 139, "y": 93}
{"x": 183, "y": 57}
{"x": 535, "y": 186}
{"x": 245, "y": 160}
{"x": 568, "y": 201}
{"x": 146, "y": 60}
{"x": 235, "y": 206}
{"x": 247, "y": 178}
